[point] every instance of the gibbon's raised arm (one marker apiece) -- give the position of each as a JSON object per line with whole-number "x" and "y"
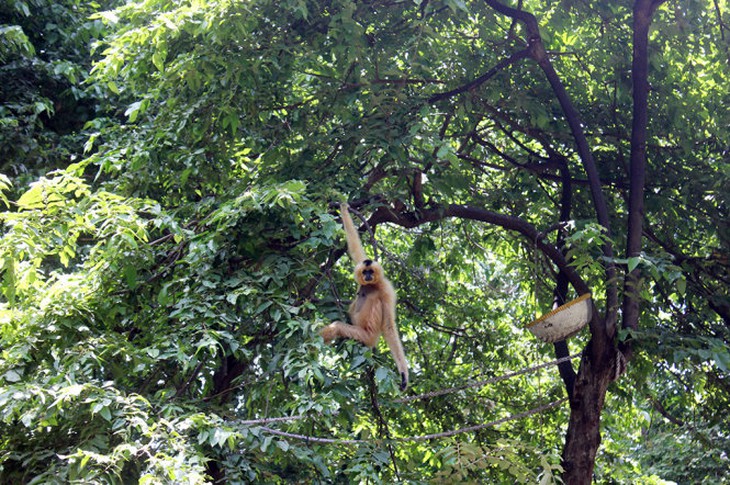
{"x": 354, "y": 247}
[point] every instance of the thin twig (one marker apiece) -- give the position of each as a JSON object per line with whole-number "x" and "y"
{"x": 189, "y": 380}
{"x": 382, "y": 423}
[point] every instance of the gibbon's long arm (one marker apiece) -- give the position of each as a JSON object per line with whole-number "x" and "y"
{"x": 354, "y": 247}
{"x": 390, "y": 334}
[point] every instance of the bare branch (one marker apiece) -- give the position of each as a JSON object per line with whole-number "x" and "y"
{"x": 435, "y": 213}
{"x": 643, "y": 10}
{"x": 504, "y": 63}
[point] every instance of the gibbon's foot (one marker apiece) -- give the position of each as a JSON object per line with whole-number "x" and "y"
{"x": 329, "y": 333}
{"x": 403, "y": 383}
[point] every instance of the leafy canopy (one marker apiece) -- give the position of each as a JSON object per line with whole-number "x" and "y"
{"x": 169, "y": 248}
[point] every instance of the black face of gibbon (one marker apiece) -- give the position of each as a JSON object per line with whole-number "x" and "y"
{"x": 368, "y": 272}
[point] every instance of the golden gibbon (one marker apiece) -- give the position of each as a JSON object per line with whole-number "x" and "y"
{"x": 373, "y": 311}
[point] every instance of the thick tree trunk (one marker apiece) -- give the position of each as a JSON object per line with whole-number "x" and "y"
{"x": 584, "y": 428}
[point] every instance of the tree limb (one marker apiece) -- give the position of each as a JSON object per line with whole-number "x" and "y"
{"x": 656, "y": 404}
{"x": 567, "y": 373}
{"x": 504, "y": 63}
{"x": 539, "y": 54}
{"x": 643, "y": 11}
{"x": 439, "y": 212}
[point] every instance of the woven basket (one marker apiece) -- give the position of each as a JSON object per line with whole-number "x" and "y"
{"x": 563, "y": 322}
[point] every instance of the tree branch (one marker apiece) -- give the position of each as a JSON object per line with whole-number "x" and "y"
{"x": 656, "y": 404}
{"x": 517, "y": 56}
{"x": 567, "y": 373}
{"x": 643, "y": 11}
{"x": 539, "y": 54}
{"x": 436, "y": 213}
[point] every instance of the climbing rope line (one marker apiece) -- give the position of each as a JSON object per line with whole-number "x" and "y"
{"x": 445, "y": 434}
{"x": 492, "y": 380}
{"x": 249, "y": 422}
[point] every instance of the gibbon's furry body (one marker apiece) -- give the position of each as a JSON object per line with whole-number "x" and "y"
{"x": 373, "y": 311}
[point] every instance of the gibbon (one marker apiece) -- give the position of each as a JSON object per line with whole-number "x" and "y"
{"x": 373, "y": 311}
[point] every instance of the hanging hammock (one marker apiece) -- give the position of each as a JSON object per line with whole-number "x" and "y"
{"x": 563, "y": 322}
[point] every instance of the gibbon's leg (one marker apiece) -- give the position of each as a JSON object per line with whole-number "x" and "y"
{"x": 375, "y": 314}
{"x": 365, "y": 328}
{"x": 354, "y": 246}
{"x": 339, "y": 329}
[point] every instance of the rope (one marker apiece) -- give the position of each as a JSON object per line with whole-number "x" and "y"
{"x": 492, "y": 380}
{"x": 620, "y": 365}
{"x": 270, "y": 420}
{"x": 431, "y": 394}
{"x": 445, "y": 434}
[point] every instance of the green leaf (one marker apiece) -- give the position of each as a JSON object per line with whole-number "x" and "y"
{"x": 722, "y": 360}
{"x": 159, "y": 56}
{"x": 358, "y": 362}
{"x": 135, "y": 109}
{"x": 12, "y": 376}
{"x": 163, "y": 298}
{"x": 130, "y": 274}
{"x": 381, "y": 375}
{"x": 106, "y": 413}
{"x": 5, "y": 185}
{"x": 33, "y": 198}
{"x": 633, "y": 262}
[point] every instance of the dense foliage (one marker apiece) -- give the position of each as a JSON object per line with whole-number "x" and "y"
{"x": 170, "y": 246}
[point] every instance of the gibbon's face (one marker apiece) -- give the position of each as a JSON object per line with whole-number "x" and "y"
{"x": 368, "y": 272}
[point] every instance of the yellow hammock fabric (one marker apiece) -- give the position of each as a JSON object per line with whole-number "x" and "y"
{"x": 563, "y": 322}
